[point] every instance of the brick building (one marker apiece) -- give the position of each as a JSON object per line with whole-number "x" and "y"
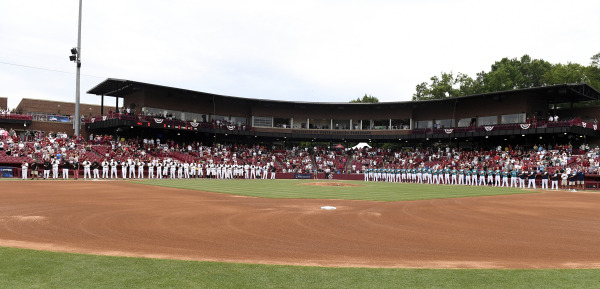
{"x": 30, "y": 106}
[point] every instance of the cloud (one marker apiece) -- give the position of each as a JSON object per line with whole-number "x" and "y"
{"x": 287, "y": 50}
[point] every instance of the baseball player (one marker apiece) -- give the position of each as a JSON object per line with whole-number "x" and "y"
{"x": 114, "y": 173}
{"x": 65, "y": 169}
{"x": 179, "y": 170}
{"x": 47, "y": 165}
{"x": 531, "y": 177}
{"x": 124, "y": 166}
{"x": 555, "y": 176}
{"x": 172, "y": 168}
{"x": 55, "y": 168}
{"x": 86, "y": 169}
{"x": 140, "y": 166}
{"x": 105, "y": 165}
{"x": 159, "y": 170}
{"x": 545, "y": 177}
{"x": 151, "y": 169}
{"x": 95, "y": 169}
{"x": 24, "y": 167}
{"x": 132, "y": 164}
{"x": 504, "y": 178}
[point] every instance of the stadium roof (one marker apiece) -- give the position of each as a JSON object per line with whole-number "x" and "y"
{"x": 560, "y": 93}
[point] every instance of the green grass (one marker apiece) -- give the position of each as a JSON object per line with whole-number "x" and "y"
{"x": 21, "y": 268}
{"x": 374, "y": 191}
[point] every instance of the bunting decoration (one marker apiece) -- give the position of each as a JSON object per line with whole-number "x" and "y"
{"x": 194, "y": 124}
{"x": 489, "y": 127}
{"x": 525, "y": 125}
{"x": 93, "y": 119}
{"x": 103, "y": 117}
{"x": 231, "y": 127}
{"x": 583, "y": 124}
{"x": 158, "y": 120}
{"x": 448, "y": 130}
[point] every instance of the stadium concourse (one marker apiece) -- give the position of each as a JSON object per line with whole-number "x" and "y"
{"x": 56, "y": 156}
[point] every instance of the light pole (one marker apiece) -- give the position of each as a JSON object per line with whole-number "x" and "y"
{"x": 76, "y": 57}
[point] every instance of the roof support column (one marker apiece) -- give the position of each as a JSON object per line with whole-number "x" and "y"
{"x": 350, "y": 124}
{"x": 102, "y": 105}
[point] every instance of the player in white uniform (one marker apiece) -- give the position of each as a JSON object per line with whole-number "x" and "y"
{"x": 151, "y": 169}
{"x": 114, "y": 173}
{"x": 172, "y": 168}
{"x": 179, "y": 170}
{"x": 140, "y": 166}
{"x": 159, "y": 166}
{"x": 55, "y": 163}
{"x": 24, "y": 167}
{"x": 124, "y": 166}
{"x": 166, "y": 169}
{"x": 104, "y": 169}
{"x": 191, "y": 170}
{"x": 86, "y": 169}
{"x": 132, "y": 164}
{"x": 65, "y": 170}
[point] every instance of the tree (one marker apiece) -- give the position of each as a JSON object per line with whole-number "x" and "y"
{"x": 595, "y": 60}
{"x": 447, "y": 85}
{"x": 566, "y": 73}
{"x": 509, "y": 74}
{"x": 365, "y": 99}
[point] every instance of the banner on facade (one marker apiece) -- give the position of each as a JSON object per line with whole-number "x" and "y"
{"x": 525, "y": 125}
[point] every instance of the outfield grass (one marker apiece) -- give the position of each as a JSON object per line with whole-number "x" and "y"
{"x": 21, "y": 268}
{"x": 374, "y": 191}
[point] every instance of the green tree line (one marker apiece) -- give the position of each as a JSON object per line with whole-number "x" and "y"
{"x": 509, "y": 74}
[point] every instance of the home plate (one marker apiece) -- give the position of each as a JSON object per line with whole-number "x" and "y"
{"x": 328, "y": 208}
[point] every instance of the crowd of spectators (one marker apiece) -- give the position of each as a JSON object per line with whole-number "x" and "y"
{"x": 58, "y": 146}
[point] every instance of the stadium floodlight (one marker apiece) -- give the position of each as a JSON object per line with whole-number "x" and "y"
{"x": 76, "y": 57}
{"x": 74, "y": 54}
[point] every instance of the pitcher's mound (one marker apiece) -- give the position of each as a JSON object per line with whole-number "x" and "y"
{"x": 330, "y": 184}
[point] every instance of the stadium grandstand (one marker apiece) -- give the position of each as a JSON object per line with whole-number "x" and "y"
{"x": 549, "y": 128}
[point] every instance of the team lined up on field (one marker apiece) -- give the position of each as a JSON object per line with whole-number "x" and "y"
{"x": 479, "y": 177}
{"x": 158, "y": 169}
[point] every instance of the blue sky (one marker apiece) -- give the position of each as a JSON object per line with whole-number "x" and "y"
{"x": 308, "y": 50}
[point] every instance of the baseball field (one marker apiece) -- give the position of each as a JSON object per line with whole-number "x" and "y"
{"x": 275, "y": 234}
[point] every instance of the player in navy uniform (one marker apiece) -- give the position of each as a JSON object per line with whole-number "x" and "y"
{"x": 554, "y": 177}
{"x": 531, "y": 176}
{"x": 545, "y": 176}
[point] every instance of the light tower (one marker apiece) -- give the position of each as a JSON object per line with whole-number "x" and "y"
{"x": 76, "y": 57}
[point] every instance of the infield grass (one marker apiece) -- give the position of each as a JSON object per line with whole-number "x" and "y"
{"x": 359, "y": 190}
{"x": 20, "y": 268}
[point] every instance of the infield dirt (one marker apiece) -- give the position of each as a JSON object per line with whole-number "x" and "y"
{"x": 545, "y": 230}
